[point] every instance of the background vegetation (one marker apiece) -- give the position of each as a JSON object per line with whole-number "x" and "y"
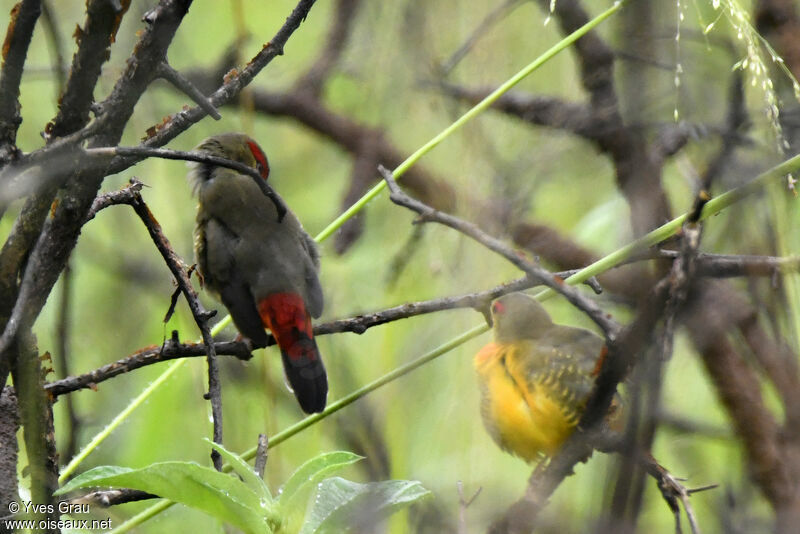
{"x": 517, "y": 174}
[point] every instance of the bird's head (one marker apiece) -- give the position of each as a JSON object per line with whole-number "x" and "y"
{"x": 518, "y": 316}
{"x": 233, "y": 146}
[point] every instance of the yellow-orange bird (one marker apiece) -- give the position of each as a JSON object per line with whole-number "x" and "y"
{"x": 535, "y": 378}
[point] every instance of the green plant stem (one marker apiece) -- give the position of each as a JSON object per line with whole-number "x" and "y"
{"x": 124, "y": 414}
{"x": 712, "y": 207}
{"x": 332, "y": 408}
{"x": 476, "y": 110}
{"x": 403, "y": 370}
{"x": 661, "y": 233}
{"x": 103, "y": 434}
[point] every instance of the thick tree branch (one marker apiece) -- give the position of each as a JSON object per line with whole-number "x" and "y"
{"x": 9, "y": 449}
{"x": 61, "y": 230}
{"x": 94, "y": 44}
{"x": 94, "y": 41}
{"x": 15, "y": 49}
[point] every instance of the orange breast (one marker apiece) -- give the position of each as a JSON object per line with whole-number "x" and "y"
{"x": 520, "y": 414}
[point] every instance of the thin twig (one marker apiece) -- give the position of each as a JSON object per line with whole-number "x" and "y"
{"x": 491, "y": 18}
{"x": 63, "y": 357}
{"x": 358, "y": 324}
{"x": 674, "y": 492}
{"x": 59, "y": 67}
{"x": 601, "y": 318}
{"x": 126, "y": 195}
{"x": 201, "y": 316}
{"x": 170, "y": 350}
{"x": 199, "y": 157}
{"x": 463, "y": 504}
{"x": 166, "y": 72}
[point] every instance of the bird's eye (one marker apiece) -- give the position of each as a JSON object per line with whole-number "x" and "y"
{"x": 497, "y": 308}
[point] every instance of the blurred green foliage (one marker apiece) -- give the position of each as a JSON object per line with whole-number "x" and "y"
{"x": 428, "y": 421}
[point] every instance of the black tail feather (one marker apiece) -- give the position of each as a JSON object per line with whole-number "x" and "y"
{"x": 306, "y": 375}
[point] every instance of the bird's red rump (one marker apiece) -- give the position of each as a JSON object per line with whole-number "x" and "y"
{"x": 261, "y": 159}
{"x": 286, "y": 316}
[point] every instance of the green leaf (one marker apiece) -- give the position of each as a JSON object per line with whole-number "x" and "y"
{"x": 311, "y": 472}
{"x": 345, "y": 506}
{"x": 217, "y": 494}
{"x": 243, "y": 469}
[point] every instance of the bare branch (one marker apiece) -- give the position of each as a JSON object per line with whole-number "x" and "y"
{"x": 602, "y": 319}
{"x": 674, "y": 492}
{"x": 166, "y": 72}
{"x": 732, "y": 265}
{"x": 358, "y": 324}
{"x": 493, "y": 17}
{"x": 61, "y": 230}
{"x": 94, "y": 42}
{"x": 546, "y": 111}
{"x": 15, "y": 49}
{"x": 139, "y": 151}
{"x": 126, "y": 195}
{"x": 232, "y": 86}
{"x": 54, "y": 34}
{"x": 170, "y": 350}
{"x": 201, "y": 316}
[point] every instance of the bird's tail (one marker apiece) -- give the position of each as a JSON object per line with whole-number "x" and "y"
{"x": 286, "y": 316}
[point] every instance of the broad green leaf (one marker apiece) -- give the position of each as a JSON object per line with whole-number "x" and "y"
{"x": 311, "y": 472}
{"x": 345, "y": 506}
{"x": 243, "y": 469}
{"x": 217, "y": 494}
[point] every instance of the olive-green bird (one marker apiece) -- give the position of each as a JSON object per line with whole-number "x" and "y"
{"x": 535, "y": 378}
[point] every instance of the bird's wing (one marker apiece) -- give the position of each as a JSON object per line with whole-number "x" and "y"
{"x": 313, "y": 287}
{"x": 215, "y": 250}
{"x": 562, "y": 364}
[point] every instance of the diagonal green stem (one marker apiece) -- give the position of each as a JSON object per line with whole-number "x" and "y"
{"x": 391, "y": 376}
{"x": 124, "y": 414}
{"x": 118, "y": 420}
{"x": 332, "y": 408}
{"x": 479, "y": 108}
{"x": 713, "y": 207}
